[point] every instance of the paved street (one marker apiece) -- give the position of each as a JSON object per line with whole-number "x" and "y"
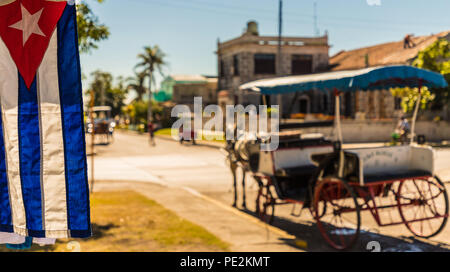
{"x": 203, "y": 170}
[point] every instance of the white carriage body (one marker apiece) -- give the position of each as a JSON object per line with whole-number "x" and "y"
{"x": 284, "y": 158}
{"x": 394, "y": 161}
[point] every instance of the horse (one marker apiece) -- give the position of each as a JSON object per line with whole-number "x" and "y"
{"x": 238, "y": 156}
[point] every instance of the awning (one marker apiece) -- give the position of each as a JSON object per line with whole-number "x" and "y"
{"x": 349, "y": 81}
{"x": 101, "y": 108}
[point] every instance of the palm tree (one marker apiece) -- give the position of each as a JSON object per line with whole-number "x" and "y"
{"x": 151, "y": 60}
{"x": 101, "y": 84}
{"x": 136, "y": 83}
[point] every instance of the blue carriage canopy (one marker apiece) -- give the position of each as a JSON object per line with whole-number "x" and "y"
{"x": 349, "y": 81}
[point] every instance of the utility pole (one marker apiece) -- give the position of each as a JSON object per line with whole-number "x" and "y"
{"x": 149, "y": 109}
{"x": 316, "y": 28}
{"x": 102, "y": 97}
{"x": 91, "y": 117}
{"x": 280, "y": 25}
{"x": 280, "y": 61}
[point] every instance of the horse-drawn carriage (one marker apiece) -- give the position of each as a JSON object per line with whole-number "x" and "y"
{"x": 396, "y": 184}
{"x": 102, "y": 124}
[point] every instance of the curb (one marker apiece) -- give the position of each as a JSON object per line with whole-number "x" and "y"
{"x": 273, "y": 229}
{"x": 198, "y": 143}
{"x": 169, "y": 138}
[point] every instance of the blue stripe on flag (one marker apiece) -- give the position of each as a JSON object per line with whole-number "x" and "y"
{"x": 30, "y": 157}
{"x": 70, "y": 89}
{"x": 5, "y": 207}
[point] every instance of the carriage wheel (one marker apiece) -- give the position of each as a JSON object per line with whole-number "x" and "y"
{"x": 340, "y": 220}
{"x": 265, "y": 205}
{"x": 320, "y": 214}
{"x": 419, "y": 199}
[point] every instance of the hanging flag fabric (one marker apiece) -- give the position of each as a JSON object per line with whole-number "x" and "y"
{"x": 25, "y": 245}
{"x": 43, "y": 171}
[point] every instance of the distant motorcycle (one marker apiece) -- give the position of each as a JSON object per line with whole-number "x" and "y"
{"x": 399, "y": 137}
{"x": 402, "y": 132}
{"x": 187, "y": 136}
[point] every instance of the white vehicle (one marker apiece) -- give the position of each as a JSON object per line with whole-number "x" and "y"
{"x": 103, "y": 125}
{"x": 332, "y": 182}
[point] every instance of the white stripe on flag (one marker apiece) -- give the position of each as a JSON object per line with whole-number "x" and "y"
{"x": 53, "y": 180}
{"x": 9, "y": 96}
{"x": 6, "y": 2}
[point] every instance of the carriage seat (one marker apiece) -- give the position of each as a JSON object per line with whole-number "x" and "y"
{"x": 406, "y": 174}
{"x": 393, "y": 163}
{"x": 295, "y": 161}
{"x": 295, "y": 171}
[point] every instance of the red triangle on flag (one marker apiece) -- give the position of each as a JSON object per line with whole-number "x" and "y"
{"x": 26, "y": 27}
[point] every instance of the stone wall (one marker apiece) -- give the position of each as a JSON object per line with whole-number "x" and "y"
{"x": 380, "y": 131}
{"x": 367, "y": 131}
{"x": 377, "y": 104}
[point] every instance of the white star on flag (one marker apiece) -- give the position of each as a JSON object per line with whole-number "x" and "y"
{"x": 29, "y": 24}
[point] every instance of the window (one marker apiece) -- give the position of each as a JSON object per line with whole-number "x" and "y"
{"x": 264, "y": 64}
{"x": 303, "y": 105}
{"x": 397, "y": 103}
{"x": 324, "y": 104}
{"x": 349, "y": 105}
{"x": 236, "y": 65}
{"x": 302, "y": 64}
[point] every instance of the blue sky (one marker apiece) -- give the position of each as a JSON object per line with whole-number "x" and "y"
{"x": 187, "y": 30}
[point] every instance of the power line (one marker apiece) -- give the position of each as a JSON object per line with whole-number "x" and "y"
{"x": 316, "y": 28}
{"x": 310, "y": 16}
{"x": 212, "y": 7}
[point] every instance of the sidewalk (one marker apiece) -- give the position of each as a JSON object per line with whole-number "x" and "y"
{"x": 214, "y": 144}
{"x": 243, "y": 232}
{"x": 159, "y": 176}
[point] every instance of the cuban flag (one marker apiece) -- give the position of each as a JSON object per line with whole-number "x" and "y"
{"x": 43, "y": 170}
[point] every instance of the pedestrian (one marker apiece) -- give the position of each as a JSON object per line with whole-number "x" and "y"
{"x": 151, "y": 132}
{"x": 404, "y": 129}
{"x": 407, "y": 42}
{"x": 180, "y": 134}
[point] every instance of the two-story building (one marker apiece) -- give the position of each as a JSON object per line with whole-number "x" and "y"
{"x": 251, "y": 57}
{"x": 181, "y": 89}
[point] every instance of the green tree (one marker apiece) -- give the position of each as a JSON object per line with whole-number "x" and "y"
{"x": 137, "y": 83}
{"x": 435, "y": 58}
{"x": 151, "y": 60}
{"x": 90, "y": 31}
{"x": 137, "y": 111}
{"x": 116, "y": 97}
{"x": 106, "y": 94}
{"x": 101, "y": 84}
{"x": 410, "y": 95}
